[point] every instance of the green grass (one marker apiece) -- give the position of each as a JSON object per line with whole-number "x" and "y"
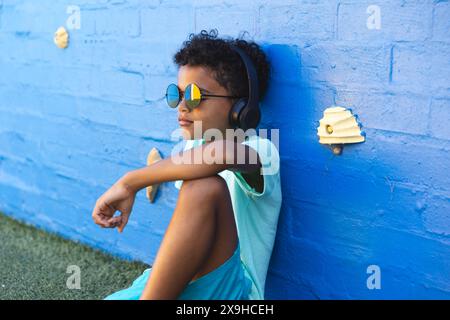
{"x": 33, "y": 265}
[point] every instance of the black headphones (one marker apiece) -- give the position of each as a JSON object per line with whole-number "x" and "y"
{"x": 245, "y": 112}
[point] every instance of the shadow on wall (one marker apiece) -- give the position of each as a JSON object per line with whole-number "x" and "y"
{"x": 343, "y": 214}
{"x": 294, "y": 104}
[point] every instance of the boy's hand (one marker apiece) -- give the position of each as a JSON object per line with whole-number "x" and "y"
{"x": 119, "y": 197}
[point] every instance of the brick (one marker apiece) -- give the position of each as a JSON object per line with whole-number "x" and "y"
{"x": 303, "y": 105}
{"x": 18, "y": 146}
{"x": 345, "y": 66}
{"x": 18, "y": 175}
{"x": 421, "y": 68}
{"x": 43, "y": 103}
{"x": 436, "y": 215}
{"x": 216, "y": 3}
{"x": 104, "y": 141}
{"x": 296, "y": 22}
{"x": 439, "y": 115}
{"x": 80, "y": 165}
{"x": 35, "y": 48}
{"x": 150, "y": 57}
{"x": 383, "y": 162}
{"x": 36, "y": 209}
{"x": 155, "y": 87}
{"x": 345, "y": 231}
{"x": 117, "y": 22}
{"x": 47, "y": 77}
{"x": 93, "y": 5}
{"x": 88, "y": 21}
{"x": 388, "y": 111}
{"x": 175, "y": 24}
{"x": 128, "y": 117}
{"x": 1, "y": 11}
{"x": 30, "y": 16}
{"x": 399, "y": 22}
{"x": 33, "y": 177}
{"x": 332, "y": 192}
{"x": 291, "y": 288}
{"x": 363, "y": 247}
{"x": 28, "y": 48}
{"x": 228, "y": 22}
{"x": 284, "y": 72}
{"x": 118, "y": 85}
{"x": 441, "y": 22}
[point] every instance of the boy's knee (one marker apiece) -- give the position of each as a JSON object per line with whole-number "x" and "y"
{"x": 212, "y": 186}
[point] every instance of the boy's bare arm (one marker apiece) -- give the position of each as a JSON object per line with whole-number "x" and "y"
{"x": 202, "y": 161}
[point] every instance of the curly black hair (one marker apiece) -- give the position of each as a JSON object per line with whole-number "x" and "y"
{"x": 206, "y": 49}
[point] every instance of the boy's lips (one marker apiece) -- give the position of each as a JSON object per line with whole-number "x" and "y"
{"x": 184, "y": 122}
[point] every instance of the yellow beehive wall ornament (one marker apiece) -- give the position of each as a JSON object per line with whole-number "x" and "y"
{"x": 338, "y": 127}
{"x": 61, "y": 38}
{"x": 152, "y": 157}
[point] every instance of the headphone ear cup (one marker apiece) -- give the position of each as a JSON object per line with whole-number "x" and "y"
{"x": 250, "y": 118}
{"x": 235, "y": 113}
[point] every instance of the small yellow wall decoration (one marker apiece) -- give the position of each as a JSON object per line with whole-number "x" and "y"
{"x": 152, "y": 157}
{"x": 61, "y": 38}
{"x": 338, "y": 127}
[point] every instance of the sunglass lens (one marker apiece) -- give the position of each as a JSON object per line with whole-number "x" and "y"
{"x": 172, "y": 95}
{"x": 192, "y": 96}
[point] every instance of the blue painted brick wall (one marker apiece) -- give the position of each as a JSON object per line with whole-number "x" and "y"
{"x": 73, "y": 121}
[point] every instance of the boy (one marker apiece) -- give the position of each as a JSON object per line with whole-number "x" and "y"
{"x": 220, "y": 238}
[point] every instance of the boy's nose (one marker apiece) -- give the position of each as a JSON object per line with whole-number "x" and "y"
{"x": 182, "y": 106}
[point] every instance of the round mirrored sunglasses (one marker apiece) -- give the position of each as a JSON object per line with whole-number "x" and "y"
{"x": 192, "y": 95}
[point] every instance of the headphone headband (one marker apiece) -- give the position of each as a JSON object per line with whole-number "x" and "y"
{"x": 252, "y": 77}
